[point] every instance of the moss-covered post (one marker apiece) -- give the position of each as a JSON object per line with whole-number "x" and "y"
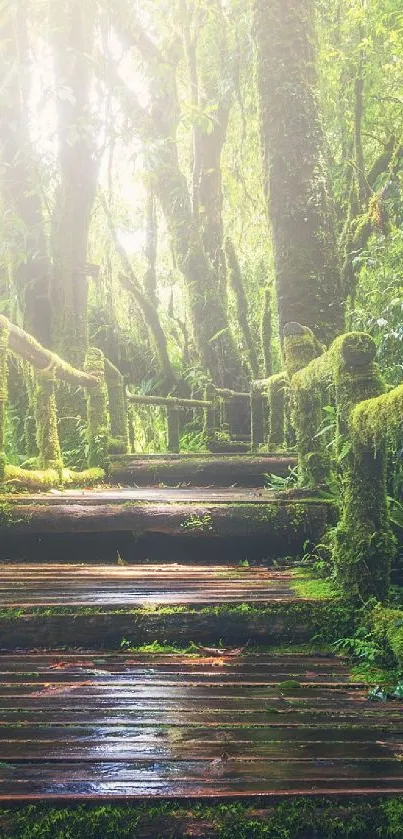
{"x": 258, "y": 413}
{"x": 4, "y": 334}
{"x": 47, "y": 435}
{"x": 364, "y": 545}
{"x": 209, "y": 425}
{"x": 173, "y": 430}
{"x": 118, "y": 412}
{"x": 97, "y": 410}
{"x": 278, "y": 385}
{"x": 300, "y": 348}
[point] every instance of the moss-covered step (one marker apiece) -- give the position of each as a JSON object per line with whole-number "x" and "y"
{"x": 283, "y": 522}
{"x": 180, "y": 726}
{"x": 199, "y": 469}
{"x": 277, "y": 621}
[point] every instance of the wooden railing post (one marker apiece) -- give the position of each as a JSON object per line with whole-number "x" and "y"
{"x": 278, "y": 387}
{"x": 97, "y": 410}
{"x": 364, "y": 545}
{"x": 210, "y": 414}
{"x": 4, "y": 336}
{"x": 47, "y": 435}
{"x": 118, "y": 411}
{"x": 173, "y": 430}
{"x": 300, "y": 348}
{"x": 258, "y": 414}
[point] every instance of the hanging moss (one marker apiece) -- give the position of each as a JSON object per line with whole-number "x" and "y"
{"x": 47, "y": 437}
{"x": 97, "y": 411}
{"x": 4, "y": 336}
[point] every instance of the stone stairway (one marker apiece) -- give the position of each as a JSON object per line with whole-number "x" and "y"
{"x": 151, "y": 648}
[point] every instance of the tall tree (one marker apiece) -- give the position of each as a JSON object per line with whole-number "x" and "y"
{"x": 73, "y": 34}
{"x": 23, "y": 228}
{"x": 295, "y": 168}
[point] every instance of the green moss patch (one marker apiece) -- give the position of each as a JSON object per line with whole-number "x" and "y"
{"x": 319, "y": 818}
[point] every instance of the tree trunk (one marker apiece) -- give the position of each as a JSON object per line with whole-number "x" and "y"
{"x": 28, "y": 262}
{"x": 211, "y": 196}
{"x": 237, "y": 285}
{"x": 214, "y": 340}
{"x": 300, "y": 206}
{"x": 73, "y": 36}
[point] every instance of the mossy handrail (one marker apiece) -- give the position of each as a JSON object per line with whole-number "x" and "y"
{"x": 50, "y": 368}
{"x": 213, "y": 405}
{"x": 362, "y": 545}
{"x": 373, "y": 418}
{"x": 28, "y": 348}
{"x": 175, "y": 404}
{"x": 168, "y": 401}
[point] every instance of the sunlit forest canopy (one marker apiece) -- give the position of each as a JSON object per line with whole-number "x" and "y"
{"x": 180, "y": 179}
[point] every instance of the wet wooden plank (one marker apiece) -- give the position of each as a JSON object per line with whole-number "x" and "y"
{"x": 157, "y": 749}
{"x": 199, "y": 778}
{"x": 365, "y": 720}
{"x": 166, "y": 495}
{"x": 220, "y": 674}
{"x": 324, "y": 661}
{"x": 101, "y": 585}
{"x": 181, "y": 734}
{"x": 164, "y": 725}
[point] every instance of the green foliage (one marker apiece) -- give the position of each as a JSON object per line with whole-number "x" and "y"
{"x": 278, "y": 482}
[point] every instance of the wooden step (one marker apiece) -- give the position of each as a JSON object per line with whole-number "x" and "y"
{"x": 58, "y": 604}
{"x": 131, "y": 726}
{"x": 199, "y": 469}
{"x": 283, "y": 523}
{"x": 27, "y": 586}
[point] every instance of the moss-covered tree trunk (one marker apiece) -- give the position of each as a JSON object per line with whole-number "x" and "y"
{"x": 73, "y": 27}
{"x": 211, "y": 196}
{"x": 295, "y": 168}
{"x": 157, "y": 128}
{"x": 23, "y": 234}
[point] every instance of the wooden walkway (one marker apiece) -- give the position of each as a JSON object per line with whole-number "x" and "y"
{"x": 85, "y": 726}
{"x": 99, "y": 724}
